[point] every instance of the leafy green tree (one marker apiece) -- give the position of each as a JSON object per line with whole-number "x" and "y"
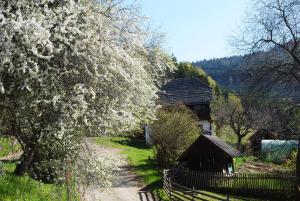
{"x": 230, "y": 111}
{"x": 175, "y": 129}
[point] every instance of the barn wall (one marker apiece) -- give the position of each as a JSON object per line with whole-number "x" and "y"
{"x": 205, "y": 156}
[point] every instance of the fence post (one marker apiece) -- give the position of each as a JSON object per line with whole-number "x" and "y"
{"x": 170, "y": 188}
{"x": 193, "y": 193}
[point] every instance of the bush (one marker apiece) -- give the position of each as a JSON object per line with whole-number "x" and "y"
{"x": 175, "y": 129}
{"x": 291, "y": 160}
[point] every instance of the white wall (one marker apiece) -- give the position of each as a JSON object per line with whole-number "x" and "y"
{"x": 207, "y": 126}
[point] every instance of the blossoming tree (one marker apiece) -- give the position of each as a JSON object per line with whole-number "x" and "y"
{"x": 69, "y": 68}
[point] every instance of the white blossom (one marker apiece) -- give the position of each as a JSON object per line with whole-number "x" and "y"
{"x": 74, "y": 64}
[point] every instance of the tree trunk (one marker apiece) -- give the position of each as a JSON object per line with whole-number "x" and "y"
{"x": 21, "y": 166}
{"x": 239, "y": 142}
{"x": 24, "y": 163}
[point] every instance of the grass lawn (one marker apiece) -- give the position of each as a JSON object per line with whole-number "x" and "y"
{"x": 24, "y": 188}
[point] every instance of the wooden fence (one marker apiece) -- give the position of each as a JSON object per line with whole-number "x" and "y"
{"x": 242, "y": 182}
{"x": 275, "y": 185}
{"x": 178, "y": 192}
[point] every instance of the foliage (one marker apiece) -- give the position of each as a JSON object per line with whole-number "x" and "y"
{"x": 97, "y": 168}
{"x": 291, "y": 161}
{"x": 70, "y": 69}
{"x": 175, "y": 129}
{"x": 230, "y": 111}
{"x": 185, "y": 69}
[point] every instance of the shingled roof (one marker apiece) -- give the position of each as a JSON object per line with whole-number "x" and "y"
{"x": 223, "y": 145}
{"x": 218, "y": 142}
{"x": 189, "y": 91}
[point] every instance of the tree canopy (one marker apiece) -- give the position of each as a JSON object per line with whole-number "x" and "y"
{"x": 74, "y": 67}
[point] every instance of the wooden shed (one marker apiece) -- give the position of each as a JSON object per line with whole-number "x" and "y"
{"x": 209, "y": 153}
{"x": 258, "y": 136}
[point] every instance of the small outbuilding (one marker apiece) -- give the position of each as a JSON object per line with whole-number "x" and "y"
{"x": 258, "y": 136}
{"x": 209, "y": 153}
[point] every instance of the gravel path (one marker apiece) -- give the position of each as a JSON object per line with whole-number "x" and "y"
{"x": 127, "y": 186}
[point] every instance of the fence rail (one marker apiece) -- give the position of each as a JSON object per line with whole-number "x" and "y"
{"x": 183, "y": 183}
{"x": 179, "y": 192}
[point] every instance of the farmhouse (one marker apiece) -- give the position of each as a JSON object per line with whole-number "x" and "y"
{"x": 195, "y": 94}
{"x": 209, "y": 153}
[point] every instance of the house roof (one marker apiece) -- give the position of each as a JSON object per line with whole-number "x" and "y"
{"x": 223, "y": 145}
{"x": 218, "y": 142}
{"x": 189, "y": 91}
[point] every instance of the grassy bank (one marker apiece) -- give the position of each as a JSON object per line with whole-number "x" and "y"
{"x": 24, "y": 188}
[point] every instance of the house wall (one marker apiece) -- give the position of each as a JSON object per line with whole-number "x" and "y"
{"x": 207, "y": 126}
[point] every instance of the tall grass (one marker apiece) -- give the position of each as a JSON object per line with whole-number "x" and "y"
{"x": 24, "y": 188}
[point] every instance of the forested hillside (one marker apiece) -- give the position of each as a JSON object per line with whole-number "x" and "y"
{"x": 234, "y": 74}
{"x": 227, "y": 71}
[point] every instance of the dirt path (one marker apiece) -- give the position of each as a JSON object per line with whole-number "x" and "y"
{"x": 127, "y": 186}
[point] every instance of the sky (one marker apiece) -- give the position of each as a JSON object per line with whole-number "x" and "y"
{"x": 196, "y": 29}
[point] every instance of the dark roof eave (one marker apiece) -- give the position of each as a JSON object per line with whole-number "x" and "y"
{"x": 232, "y": 153}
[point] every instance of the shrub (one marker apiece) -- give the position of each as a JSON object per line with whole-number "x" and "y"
{"x": 291, "y": 160}
{"x": 174, "y": 130}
